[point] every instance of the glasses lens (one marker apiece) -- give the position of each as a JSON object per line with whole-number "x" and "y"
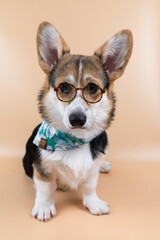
{"x": 92, "y": 93}
{"x": 66, "y": 92}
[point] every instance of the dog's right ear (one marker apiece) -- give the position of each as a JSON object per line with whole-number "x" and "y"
{"x": 50, "y": 46}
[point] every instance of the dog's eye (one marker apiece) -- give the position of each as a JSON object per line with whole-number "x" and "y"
{"x": 92, "y": 88}
{"x": 65, "y": 88}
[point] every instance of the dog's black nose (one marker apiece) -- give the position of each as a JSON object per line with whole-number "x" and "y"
{"x": 77, "y": 119}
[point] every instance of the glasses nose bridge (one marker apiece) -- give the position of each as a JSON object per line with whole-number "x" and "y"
{"x": 79, "y": 89}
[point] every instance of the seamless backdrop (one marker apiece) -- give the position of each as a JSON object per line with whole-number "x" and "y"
{"x": 133, "y": 186}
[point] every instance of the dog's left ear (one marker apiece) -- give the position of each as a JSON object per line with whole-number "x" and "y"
{"x": 50, "y": 46}
{"x": 115, "y": 53}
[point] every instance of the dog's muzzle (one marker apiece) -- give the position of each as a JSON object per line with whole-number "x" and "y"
{"x": 77, "y": 119}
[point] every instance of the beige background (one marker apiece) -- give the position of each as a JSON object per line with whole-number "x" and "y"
{"x": 133, "y": 187}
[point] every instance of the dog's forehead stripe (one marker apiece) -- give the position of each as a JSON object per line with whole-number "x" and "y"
{"x": 80, "y": 71}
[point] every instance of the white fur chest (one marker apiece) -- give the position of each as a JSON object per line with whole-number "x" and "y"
{"x": 71, "y": 166}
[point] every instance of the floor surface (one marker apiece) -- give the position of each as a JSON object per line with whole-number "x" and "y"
{"x": 132, "y": 190}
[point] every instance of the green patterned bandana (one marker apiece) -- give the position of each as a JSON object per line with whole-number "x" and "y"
{"x": 52, "y": 139}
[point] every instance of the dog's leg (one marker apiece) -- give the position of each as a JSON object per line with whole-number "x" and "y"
{"x": 90, "y": 198}
{"x": 105, "y": 167}
{"x": 44, "y": 207}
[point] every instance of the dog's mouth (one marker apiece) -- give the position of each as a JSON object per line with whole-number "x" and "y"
{"x": 78, "y": 128}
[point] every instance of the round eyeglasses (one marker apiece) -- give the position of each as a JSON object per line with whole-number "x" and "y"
{"x": 91, "y": 93}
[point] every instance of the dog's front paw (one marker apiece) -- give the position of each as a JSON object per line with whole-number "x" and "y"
{"x": 97, "y": 206}
{"x": 44, "y": 212}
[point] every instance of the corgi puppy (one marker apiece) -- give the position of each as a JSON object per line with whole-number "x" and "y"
{"x": 77, "y": 104}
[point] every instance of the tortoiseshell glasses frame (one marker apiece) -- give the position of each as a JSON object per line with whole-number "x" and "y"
{"x": 101, "y": 91}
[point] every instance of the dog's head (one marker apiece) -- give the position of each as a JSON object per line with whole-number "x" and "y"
{"x": 77, "y": 96}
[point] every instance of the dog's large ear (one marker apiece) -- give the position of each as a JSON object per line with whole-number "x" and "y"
{"x": 50, "y": 46}
{"x": 115, "y": 53}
